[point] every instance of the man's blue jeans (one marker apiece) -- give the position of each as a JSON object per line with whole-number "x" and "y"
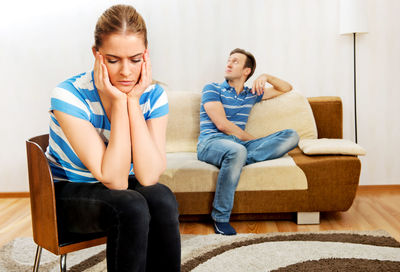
{"x": 230, "y": 154}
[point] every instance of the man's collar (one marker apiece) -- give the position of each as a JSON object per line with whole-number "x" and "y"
{"x": 226, "y": 85}
{"x": 246, "y": 89}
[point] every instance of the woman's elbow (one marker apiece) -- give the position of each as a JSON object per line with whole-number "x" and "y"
{"x": 148, "y": 180}
{"x": 115, "y": 182}
{"x": 116, "y": 185}
{"x": 151, "y": 178}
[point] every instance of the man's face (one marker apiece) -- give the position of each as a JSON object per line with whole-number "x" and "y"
{"x": 235, "y": 67}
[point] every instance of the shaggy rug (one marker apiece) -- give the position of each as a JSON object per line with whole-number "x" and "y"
{"x": 321, "y": 251}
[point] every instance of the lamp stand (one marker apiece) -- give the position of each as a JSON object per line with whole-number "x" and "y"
{"x": 355, "y": 86}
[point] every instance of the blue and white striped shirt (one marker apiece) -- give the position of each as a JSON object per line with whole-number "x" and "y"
{"x": 78, "y": 96}
{"x": 237, "y": 107}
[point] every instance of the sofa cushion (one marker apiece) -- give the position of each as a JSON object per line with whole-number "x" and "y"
{"x": 330, "y": 146}
{"x": 183, "y": 121}
{"x": 187, "y": 174}
{"x": 288, "y": 111}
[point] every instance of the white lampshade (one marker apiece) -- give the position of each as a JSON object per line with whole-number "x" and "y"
{"x": 353, "y": 16}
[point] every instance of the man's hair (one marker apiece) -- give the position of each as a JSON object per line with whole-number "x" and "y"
{"x": 250, "y": 60}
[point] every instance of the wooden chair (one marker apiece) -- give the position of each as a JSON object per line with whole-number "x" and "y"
{"x": 46, "y": 234}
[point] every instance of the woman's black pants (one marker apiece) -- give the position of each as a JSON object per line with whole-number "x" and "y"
{"x": 141, "y": 223}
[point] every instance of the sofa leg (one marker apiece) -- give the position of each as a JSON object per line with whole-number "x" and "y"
{"x": 307, "y": 218}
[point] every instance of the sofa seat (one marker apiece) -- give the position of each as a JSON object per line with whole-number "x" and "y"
{"x": 193, "y": 183}
{"x": 185, "y": 173}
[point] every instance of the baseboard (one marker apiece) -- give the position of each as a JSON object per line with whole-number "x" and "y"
{"x": 360, "y": 187}
{"x": 14, "y": 194}
{"x": 379, "y": 187}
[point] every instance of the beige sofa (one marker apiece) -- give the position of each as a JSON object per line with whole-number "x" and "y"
{"x": 296, "y": 184}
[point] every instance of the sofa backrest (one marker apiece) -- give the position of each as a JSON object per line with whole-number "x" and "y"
{"x": 290, "y": 110}
{"x": 183, "y": 121}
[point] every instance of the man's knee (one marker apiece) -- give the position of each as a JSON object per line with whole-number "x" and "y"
{"x": 238, "y": 153}
{"x": 292, "y": 136}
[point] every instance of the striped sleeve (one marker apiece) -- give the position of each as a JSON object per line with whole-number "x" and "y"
{"x": 210, "y": 93}
{"x": 65, "y": 98}
{"x": 158, "y": 102}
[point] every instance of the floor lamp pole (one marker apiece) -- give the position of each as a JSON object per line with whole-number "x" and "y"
{"x": 355, "y": 86}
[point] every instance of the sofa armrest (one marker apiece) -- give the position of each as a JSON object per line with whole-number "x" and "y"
{"x": 328, "y": 114}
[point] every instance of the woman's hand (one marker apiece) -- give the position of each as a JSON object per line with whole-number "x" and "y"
{"x": 102, "y": 81}
{"x": 145, "y": 77}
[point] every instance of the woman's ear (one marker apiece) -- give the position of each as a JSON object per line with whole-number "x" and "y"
{"x": 94, "y": 50}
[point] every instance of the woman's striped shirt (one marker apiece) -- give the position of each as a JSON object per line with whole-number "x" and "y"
{"x": 78, "y": 96}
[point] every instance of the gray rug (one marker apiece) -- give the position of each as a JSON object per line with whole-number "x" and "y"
{"x": 322, "y": 251}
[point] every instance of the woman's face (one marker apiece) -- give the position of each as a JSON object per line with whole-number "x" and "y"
{"x": 123, "y": 56}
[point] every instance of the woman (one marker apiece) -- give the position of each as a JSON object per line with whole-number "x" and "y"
{"x": 107, "y": 150}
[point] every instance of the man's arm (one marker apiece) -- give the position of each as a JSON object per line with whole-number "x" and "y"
{"x": 279, "y": 86}
{"x": 215, "y": 110}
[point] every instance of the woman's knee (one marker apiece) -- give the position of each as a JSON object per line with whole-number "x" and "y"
{"x": 165, "y": 197}
{"x": 160, "y": 199}
{"x": 130, "y": 206}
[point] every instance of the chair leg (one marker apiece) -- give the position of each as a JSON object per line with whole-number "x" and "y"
{"x": 63, "y": 263}
{"x": 37, "y": 258}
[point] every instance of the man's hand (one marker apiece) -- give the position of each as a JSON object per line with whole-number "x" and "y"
{"x": 145, "y": 78}
{"x": 259, "y": 84}
{"x": 102, "y": 81}
{"x": 279, "y": 86}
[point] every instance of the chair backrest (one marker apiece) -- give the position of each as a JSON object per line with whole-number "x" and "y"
{"x": 41, "y": 187}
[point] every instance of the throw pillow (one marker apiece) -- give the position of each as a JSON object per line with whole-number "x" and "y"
{"x": 330, "y": 146}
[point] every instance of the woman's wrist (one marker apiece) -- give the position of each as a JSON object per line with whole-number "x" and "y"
{"x": 133, "y": 100}
{"x": 120, "y": 102}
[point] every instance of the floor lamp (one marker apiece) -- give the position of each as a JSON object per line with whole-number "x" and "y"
{"x": 353, "y": 20}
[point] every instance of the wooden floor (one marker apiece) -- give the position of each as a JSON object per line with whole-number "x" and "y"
{"x": 374, "y": 208}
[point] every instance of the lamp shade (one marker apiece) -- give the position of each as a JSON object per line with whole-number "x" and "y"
{"x": 353, "y": 16}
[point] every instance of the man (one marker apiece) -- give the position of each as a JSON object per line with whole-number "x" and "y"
{"x": 223, "y": 142}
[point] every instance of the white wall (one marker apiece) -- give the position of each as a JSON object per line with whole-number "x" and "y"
{"x": 44, "y": 42}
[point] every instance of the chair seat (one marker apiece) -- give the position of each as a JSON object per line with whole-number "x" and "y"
{"x": 69, "y": 238}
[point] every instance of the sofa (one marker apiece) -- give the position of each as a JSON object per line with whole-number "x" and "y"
{"x": 298, "y": 185}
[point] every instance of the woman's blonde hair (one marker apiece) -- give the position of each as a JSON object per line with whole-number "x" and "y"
{"x": 121, "y": 19}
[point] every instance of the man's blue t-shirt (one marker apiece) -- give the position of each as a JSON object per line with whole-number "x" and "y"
{"x": 237, "y": 107}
